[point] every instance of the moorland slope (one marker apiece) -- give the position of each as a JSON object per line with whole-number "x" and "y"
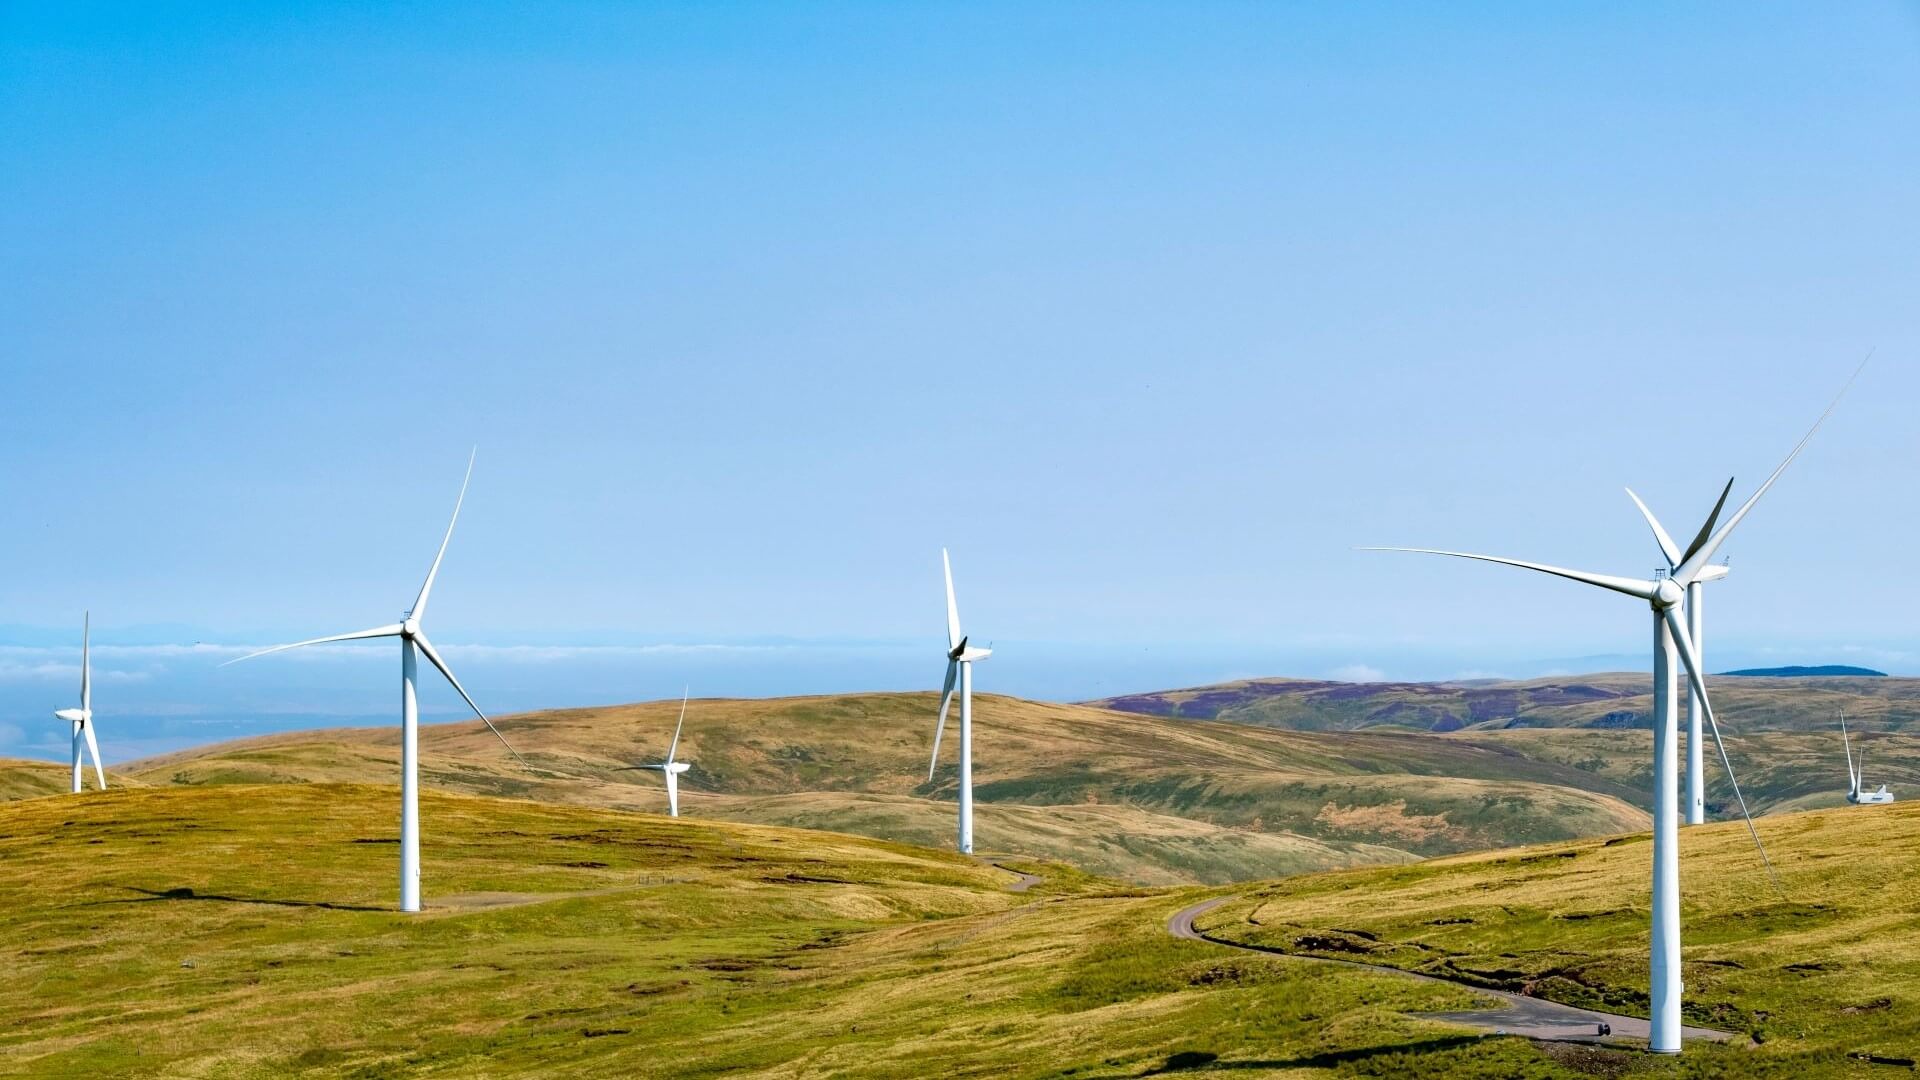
{"x": 1826, "y": 971}
{"x": 247, "y": 931}
{"x": 1624, "y": 700}
{"x": 1140, "y": 798}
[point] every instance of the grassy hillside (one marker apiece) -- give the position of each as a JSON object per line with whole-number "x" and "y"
{"x": 1624, "y": 700}
{"x": 22, "y": 779}
{"x": 1782, "y": 733}
{"x": 1778, "y": 770}
{"x": 1831, "y": 969}
{"x": 1151, "y": 800}
{"x": 1112, "y": 840}
{"x": 245, "y": 931}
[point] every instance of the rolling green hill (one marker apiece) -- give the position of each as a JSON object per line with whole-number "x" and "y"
{"x": 1622, "y": 700}
{"x": 22, "y": 779}
{"x": 1137, "y": 798}
{"x": 1828, "y": 971}
{"x": 246, "y": 931}
{"x": 1782, "y": 733}
{"x": 1805, "y": 670}
{"x": 1778, "y": 770}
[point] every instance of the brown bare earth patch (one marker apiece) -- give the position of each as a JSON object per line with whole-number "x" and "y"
{"x": 1389, "y": 820}
{"x": 1590, "y": 1060}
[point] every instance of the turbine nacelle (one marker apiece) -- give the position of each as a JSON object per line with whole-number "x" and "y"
{"x": 77, "y": 716}
{"x": 967, "y": 654}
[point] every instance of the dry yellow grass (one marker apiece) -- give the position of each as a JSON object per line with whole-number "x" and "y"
{"x": 246, "y": 931}
{"x": 1832, "y": 967}
{"x": 1136, "y": 797}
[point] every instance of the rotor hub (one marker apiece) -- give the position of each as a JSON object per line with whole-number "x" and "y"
{"x": 1668, "y": 593}
{"x": 410, "y": 628}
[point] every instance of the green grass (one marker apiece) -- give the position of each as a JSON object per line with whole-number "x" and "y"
{"x": 246, "y": 931}
{"x": 21, "y": 779}
{"x": 1610, "y": 699}
{"x": 1831, "y": 969}
{"x": 1147, "y": 800}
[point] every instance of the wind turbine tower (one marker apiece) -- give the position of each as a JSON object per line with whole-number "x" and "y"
{"x": 82, "y": 717}
{"x": 413, "y": 645}
{"x": 960, "y": 660}
{"x": 671, "y": 769}
{"x": 1672, "y": 640}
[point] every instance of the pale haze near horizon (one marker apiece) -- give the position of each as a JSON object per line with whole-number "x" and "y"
{"x": 1152, "y": 315}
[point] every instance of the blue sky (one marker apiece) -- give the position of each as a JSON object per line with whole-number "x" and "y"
{"x": 1151, "y": 312}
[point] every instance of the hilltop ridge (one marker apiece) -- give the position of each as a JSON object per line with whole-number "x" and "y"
{"x": 1139, "y": 799}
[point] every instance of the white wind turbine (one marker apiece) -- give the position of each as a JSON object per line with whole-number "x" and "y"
{"x": 1670, "y": 635}
{"x": 1856, "y": 773}
{"x": 671, "y": 769}
{"x": 413, "y": 644}
{"x": 82, "y": 717}
{"x": 960, "y": 658}
{"x": 1696, "y": 812}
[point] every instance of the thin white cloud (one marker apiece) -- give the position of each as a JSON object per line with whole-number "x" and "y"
{"x": 20, "y": 663}
{"x": 1357, "y": 673}
{"x": 14, "y": 671}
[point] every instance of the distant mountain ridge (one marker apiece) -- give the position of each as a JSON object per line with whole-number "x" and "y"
{"x": 1803, "y": 672}
{"x": 1777, "y": 699}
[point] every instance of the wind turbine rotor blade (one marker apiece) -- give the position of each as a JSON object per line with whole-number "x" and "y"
{"x": 1696, "y": 679}
{"x": 86, "y": 662}
{"x": 389, "y": 630}
{"x": 419, "y": 609}
{"x": 433, "y": 657}
{"x": 953, "y": 609}
{"x": 1690, "y": 568}
{"x": 1706, "y": 529}
{"x": 1853, "y": 775}
{"x": 1667, "y": 546}
{"x": 940, "y": 725}
{"x": 671, "y": 750}
{"x": 93, "y": 750}
{"x": 1634, "y": 587}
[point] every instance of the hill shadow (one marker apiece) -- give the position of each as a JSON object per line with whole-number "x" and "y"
{"x": 1200, "y": 1061}
{"x": 149, "y": 896}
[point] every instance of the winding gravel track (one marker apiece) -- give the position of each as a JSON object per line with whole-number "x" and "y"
{"x": 1530, "y": 1017}
{"x": 1026, "y": 881}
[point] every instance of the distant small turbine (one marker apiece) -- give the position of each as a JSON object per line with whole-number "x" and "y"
{"x": 1696, "y": 625}
{"x": 82, "y": 717}
{"x": 1856, "y": 772}
{"x": 671, "y": 769}
{"x": 960, "y": 659}
{"x": 413, "y": 644}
